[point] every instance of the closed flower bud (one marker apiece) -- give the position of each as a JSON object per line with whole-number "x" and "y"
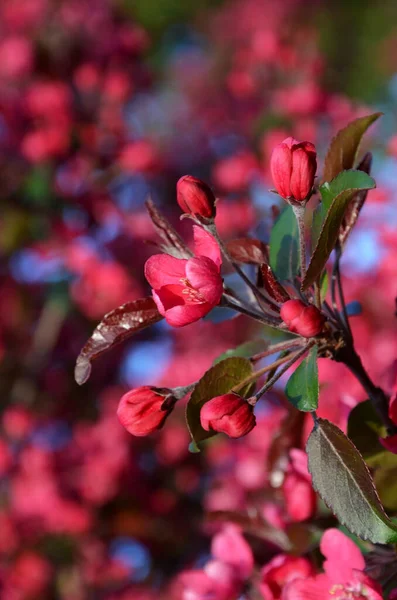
{"x": 195, "y": 197}
{"x": 293, "y": 167}
{"x": 228, "y": 414}
{"x": 299, "y": 318}
{"x": 141, "y": 411}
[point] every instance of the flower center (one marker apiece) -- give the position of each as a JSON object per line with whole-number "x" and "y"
{"x": 351, "y": 592}
{"x": 193, "y": 295}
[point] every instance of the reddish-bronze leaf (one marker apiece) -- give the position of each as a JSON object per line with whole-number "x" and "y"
{"x": 115, "y": 327}
{"x": 343, "y": 149}
{"x": 173, "y": 243}
{"x": 249, "y": 251}
{"x": 272, "y": 286}
{"x": 356, "y": 203}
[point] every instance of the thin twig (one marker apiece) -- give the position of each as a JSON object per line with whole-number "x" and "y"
{"x": 338, "y": 255}
{"x": 285, "y": 368}
{"x": 260, "y": 372}
{"x": 276, "y": 348}
{"x": 211, "y": 228}
{"x": 251, "y": 313}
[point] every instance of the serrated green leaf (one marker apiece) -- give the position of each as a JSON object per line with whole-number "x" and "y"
{"x": 344, "y": 482}
{"x": 284, "y": 246}
{"x": 219, "y": 379}
{"x": 330, "y": 230}
{"x": 303, "y": 388}
{"x": 343, "y": 149}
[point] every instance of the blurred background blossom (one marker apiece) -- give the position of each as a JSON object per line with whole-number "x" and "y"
{"x": 104, "y": 103}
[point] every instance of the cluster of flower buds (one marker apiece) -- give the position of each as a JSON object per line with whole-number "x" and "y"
{"x": 186, "y": 288}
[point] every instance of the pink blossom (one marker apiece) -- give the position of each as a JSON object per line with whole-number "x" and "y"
{"x": 185, "y": 290}
{"x": 344, "y": 575}
{"x": 280, "y": 571}
{"x": 299, "y": 495}
{"x": 230, "y": 547}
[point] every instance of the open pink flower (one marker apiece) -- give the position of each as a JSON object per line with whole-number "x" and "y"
{"x": 344, "y": 575}
{"x": 185, "y": 290}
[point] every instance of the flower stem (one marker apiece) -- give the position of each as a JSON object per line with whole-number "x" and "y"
{"x": 299, "y": 212}
{"x": 261, "y": 317}
{"x": 211, "y": 228}
{"x": 260, "y": 372}
{"x": 288, "y": 344}
{"x": 276, "y": 376}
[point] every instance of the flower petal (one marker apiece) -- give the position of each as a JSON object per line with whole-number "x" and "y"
{"x": 169, "y": 296}
{"x": 206, "y": 245}
{"x": 163, "y": 269}
{"x": 179, "y": 316}
{"x": 204, "y": 276}
{"x": 312, "y": 588}
{"x": 342, "y": 556}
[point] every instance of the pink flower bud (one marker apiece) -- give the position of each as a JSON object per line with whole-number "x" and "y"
{"x": 293, "y": 166}
{"x": 141, "y": 411}
{"x": 299, "y": 318}
{"x": 228, "y": 414}
{"x": 195, "y": 197}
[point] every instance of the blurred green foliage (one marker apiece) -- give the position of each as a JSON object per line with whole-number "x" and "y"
{"x": 352, "y": 36}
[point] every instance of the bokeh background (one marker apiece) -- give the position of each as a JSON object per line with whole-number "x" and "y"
{"x": 103, "y": 103}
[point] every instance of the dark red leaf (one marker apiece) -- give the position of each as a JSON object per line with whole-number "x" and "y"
{"x": 356, "y": 203}
{"x": 248, "y": 250}
{"x": 115, "y": 327}
{"x": 173, "y": 243}
{"x": 272, "y": 286}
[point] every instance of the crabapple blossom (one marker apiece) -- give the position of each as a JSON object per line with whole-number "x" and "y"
{"x": 185, "y": 290}
{"x": 344, "y": 575}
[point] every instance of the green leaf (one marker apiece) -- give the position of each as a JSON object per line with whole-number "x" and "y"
{"x": 284, "y": 246}
{"x": 330, "y": 229}
{"x": 344, "y": 482}
{"x": 245, "y": 350}
{"x": 303, "y": 388}
{"x": 346, "y": 180}
{"x": 352, "y": 180}
{"x": 219, "y": 379}
{"x": 343, "y": 149}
